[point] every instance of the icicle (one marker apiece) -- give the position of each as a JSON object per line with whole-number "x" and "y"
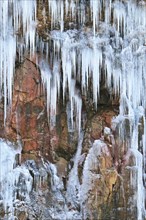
{"x": 115, "y": 48}
{"x": 95, "y": 8}
{"x": 13, "y": 14}
{"x": 60, "y": 11}
{"x": 119, "y": 16}
{"x": 7, "y": 59}
{"x": 46, "y": 80}
{"x": 51, "y": 81}
{"x": 97, "y": 61}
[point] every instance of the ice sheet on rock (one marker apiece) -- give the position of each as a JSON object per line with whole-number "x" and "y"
{"x": 113, "y": 49}
{"x": 11, "y": 177}
{"x": 73, "y": 185}
{"x": 138, "y": 180}
{"x": 135, "y": 118}
{"x": 56, "y": 183}
{"x": 91, "y": 164}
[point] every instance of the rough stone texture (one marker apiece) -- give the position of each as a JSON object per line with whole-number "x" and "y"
{"x": 28, "y": 123}
{"x": 111, "y": 193}
{"x": 27, "y": 120}
{"x": 111, "y": 196}
{"x": 96, "y": 121}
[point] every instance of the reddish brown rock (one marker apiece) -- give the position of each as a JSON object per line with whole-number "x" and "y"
{"x": 108, "y": 116}
{"x": 27, "y": 119}
{"x": 29, "y": 145}
{"x": 28, "y": 116}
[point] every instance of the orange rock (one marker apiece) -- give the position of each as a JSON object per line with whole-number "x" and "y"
{"x": 108, "y": 115}
{"x": 29, "y": 145}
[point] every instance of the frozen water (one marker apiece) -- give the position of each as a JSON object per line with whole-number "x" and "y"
{"x": 10, "y": 174}
{"x": 73, "y": 185}
{"x": 109, "y": 42}
{"x": 13, "y": 15}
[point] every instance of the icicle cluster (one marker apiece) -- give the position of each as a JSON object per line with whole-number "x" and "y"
{"x": 110, "y": 41}
{"x": 14, "y": 16}
{"x": 115, "y": 47}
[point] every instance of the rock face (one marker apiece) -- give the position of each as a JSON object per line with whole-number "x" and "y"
{"x": 28, "y": 121}
{"x": 90, "y": 173}
{"x": 106, "y": 164}
{"x": 106, "y": 189}
{"x": 28, "y": 118}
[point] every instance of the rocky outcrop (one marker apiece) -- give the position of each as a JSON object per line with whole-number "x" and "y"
{"x": 106, "y": 167}
{"x": 107, "y": 191}
{"x": 27, "y": 120}
{"x": 108, "y": 175}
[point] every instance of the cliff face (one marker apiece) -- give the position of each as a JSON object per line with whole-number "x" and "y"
{"x": 76, "y": 116}
{"x": 104, "y": 167}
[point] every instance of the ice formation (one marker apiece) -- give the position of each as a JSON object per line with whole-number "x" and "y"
{"x": 11, "y": 175}
{"x": 14, "y": 16}
{"x": 73, "y": 186}
{"x": 113, "y": 46}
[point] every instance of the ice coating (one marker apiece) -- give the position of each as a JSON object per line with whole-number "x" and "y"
{"x": 10, "y": 173}
{"x": 122, "y": 52}
{"x": 91, "y": 163}
{"x": 73, "y": 185}
{"x": 116, "y": 51}
{"x": 135, "y": 118}
{"x": 112, "y": 47}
